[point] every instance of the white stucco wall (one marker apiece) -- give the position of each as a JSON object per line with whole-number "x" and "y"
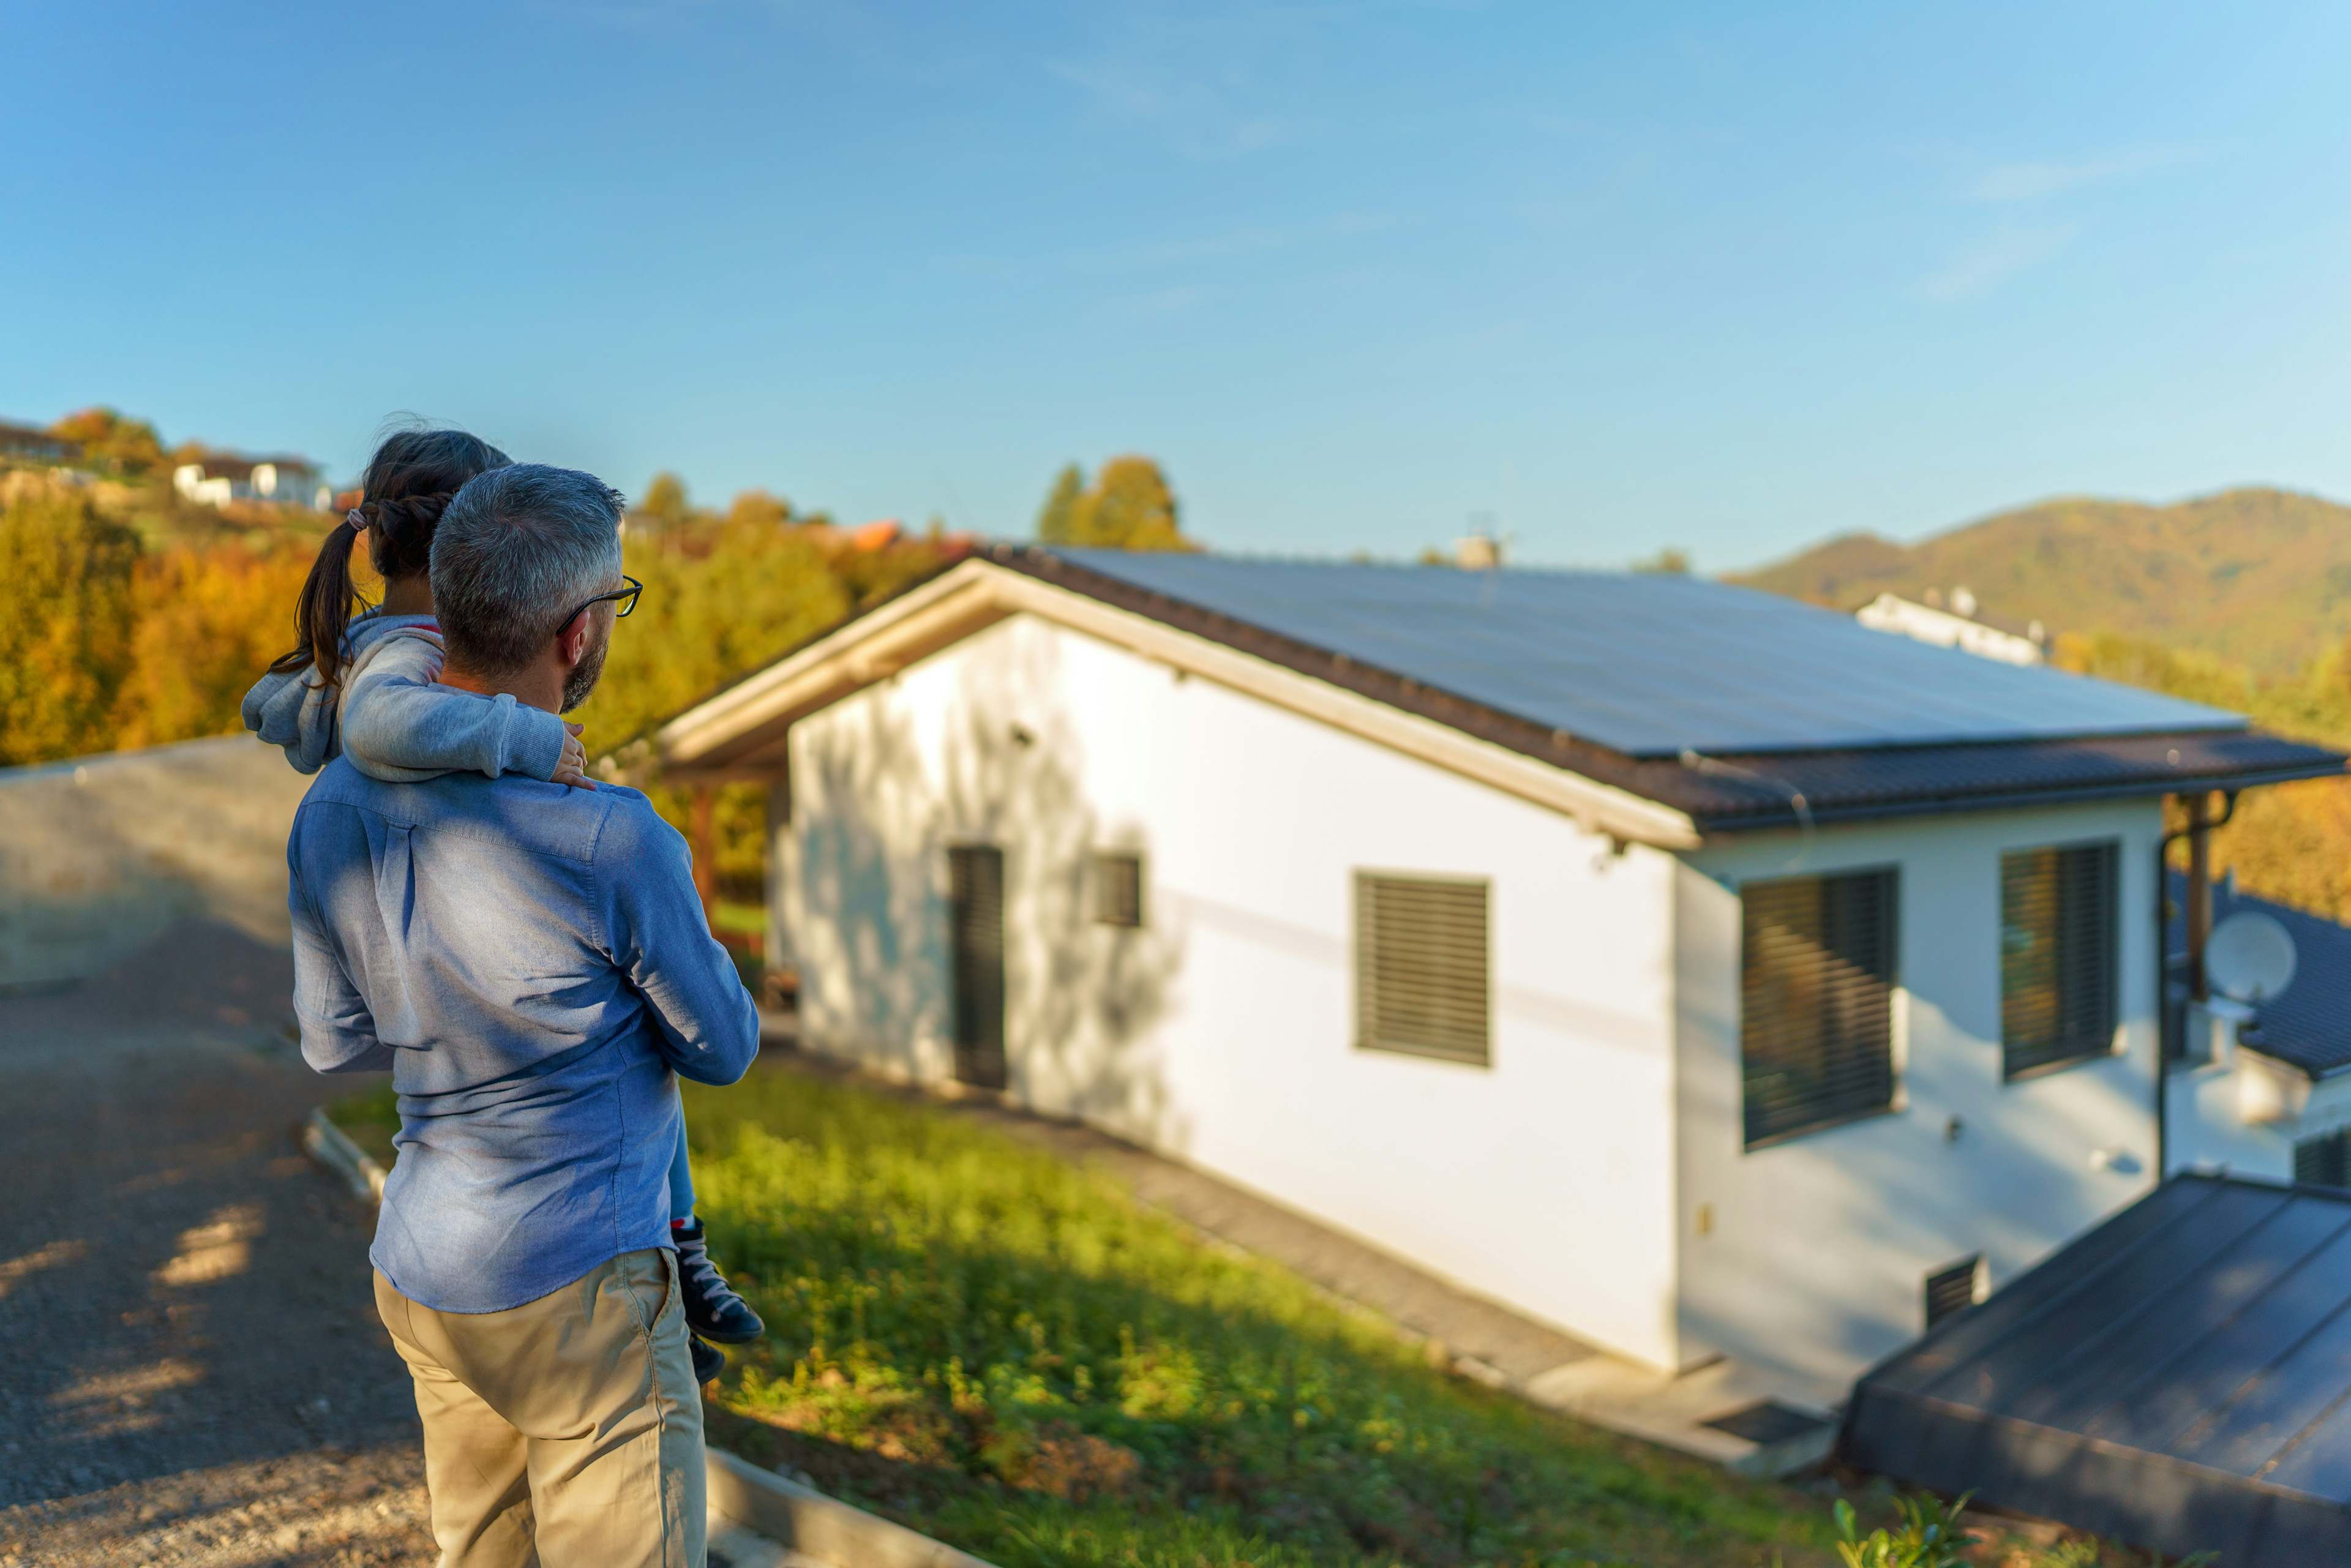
{"x": 1222, "y": 1031}
{"x": 1817, "y": 1249}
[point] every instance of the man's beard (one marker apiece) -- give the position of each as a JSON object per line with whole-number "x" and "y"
{"x": 585, "y": 675}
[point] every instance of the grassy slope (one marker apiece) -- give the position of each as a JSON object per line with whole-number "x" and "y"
{"x": 1003, "y": 1350}
{"x": 2259, "y": 577}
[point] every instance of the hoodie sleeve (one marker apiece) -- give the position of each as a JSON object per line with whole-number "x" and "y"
{"x": 294, "y": 711}
{"x": 399, "y": 723}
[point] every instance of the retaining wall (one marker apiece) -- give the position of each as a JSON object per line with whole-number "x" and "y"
{"x": 101, "y": 854}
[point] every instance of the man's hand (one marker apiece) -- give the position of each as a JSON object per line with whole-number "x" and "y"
{"x": 573, "y": 767}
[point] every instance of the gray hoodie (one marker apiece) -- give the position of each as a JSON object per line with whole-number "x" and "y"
{"x": 394, "y": 718}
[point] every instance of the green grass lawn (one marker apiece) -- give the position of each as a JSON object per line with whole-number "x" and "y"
{"x": 1003, "y": 1350}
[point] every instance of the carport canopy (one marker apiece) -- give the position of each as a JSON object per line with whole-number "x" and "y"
{"x": 2179, "y": 1379}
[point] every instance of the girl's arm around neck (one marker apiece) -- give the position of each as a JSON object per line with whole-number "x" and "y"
{"x": 400, "y": 724}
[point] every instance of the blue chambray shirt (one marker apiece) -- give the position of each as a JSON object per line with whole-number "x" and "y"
{"x": 531, "y": 964}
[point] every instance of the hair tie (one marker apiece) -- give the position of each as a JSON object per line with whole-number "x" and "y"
{"x": 356, "y": 519}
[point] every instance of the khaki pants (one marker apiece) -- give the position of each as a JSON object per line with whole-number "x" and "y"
{"x": 564, "y": 1433}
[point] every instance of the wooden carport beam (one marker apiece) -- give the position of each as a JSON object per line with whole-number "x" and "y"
{"x": 704, "y": 839}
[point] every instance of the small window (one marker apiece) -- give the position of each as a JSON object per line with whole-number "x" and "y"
{"x": 1118, "y": 889}
{"x": 2057, "y": 949}
{"x": 2323, "y": 1161}
{"x": 1816, "y": 1002}
{"x": 1421, "y": 966}
{"x": 1955, "y": 1288}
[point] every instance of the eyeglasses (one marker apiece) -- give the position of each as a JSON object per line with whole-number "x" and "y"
{"x": 627, "y": 597}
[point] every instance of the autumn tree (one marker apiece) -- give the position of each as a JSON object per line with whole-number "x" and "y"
{"x": 664, "y": 503}
{"x": 1058, "y": 517}
{"x": 758, "y": 509}
{"x": 63, "y": 641}
{"x": 1130, "y": 506}
{"x": 109, "y": 440}
{"x": 204, "y": 623}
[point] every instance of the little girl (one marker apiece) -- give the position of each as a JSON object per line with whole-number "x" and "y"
{"x": 369, "y": 687}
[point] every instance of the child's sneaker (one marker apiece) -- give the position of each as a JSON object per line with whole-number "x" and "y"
{"x": 713, "y": 1309}
{"x": 708, "y": 1362}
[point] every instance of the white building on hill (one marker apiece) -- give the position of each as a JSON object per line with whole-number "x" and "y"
{"x": 1689, "y": 969}
{"x": 1960, "y": 625}
{"x": 219, "y": 479}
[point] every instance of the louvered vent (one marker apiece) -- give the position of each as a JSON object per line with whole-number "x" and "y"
{"x": 2057, "y": 954}
{"x": 1816, "y": 1001}
{"x": 1118, "y": 889}
{"x": 1421, "y": 966}
{"x": 2323, "y": 1161}
{"x": 1954, "y": 1289}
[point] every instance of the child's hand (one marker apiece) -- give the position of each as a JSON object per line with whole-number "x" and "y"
{"x": 573, "y": 769}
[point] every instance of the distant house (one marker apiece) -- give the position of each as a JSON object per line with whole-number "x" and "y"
{"x": 1690, "y": 969}
{"x": 31, "y": 443}
{"x": 220, "y": 477}
{"x": 1960, "y": 623}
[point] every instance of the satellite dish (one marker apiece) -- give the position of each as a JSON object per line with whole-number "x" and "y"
{"x": 2249, "y": 957}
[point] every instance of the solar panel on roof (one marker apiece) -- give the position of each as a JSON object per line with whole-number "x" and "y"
{"x": 1652, "y": 665}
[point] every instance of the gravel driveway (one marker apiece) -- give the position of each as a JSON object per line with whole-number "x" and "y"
{"x": 191, "y": 1369}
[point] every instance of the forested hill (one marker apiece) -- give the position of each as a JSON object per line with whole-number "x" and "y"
{"x": 2256, "y": 577}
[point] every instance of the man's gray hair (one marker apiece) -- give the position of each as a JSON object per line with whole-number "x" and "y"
{"x": 518, "y": 551}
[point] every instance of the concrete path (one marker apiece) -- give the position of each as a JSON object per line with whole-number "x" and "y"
{"x": 191, "y": 1369}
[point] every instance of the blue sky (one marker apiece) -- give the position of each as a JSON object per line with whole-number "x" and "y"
{"x": 1728, "y": 277}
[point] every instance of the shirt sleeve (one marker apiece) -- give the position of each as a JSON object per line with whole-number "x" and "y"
{"x": 399, "y": 723}
{"x": 338, "y": 1030}
{"x": 654, "y": 920}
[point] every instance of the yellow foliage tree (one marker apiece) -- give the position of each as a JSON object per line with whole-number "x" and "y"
{"x": 64, "y": 636}
{"x": 204, "y": 625}
{"x": 1130, "y": 506}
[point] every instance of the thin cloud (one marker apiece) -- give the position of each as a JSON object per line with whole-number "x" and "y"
{"x": 2010, "y": 183}
{"x": 1195, "y": 118}
{"x": 1174, "y": 254}
{"x": 2007, "y": 253}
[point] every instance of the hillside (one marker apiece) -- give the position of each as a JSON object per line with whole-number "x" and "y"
{"x": 2256, "y": 577}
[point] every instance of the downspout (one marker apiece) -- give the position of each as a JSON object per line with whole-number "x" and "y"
{"x": 2199, "y": 871}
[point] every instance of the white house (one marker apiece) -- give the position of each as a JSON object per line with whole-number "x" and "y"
{"x": 220, "y": 477}
{"x": 1689, "y": 969}
{"x": 1961, "y": 625}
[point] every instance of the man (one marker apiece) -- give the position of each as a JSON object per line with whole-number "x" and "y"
{"x": 531, "y": 964}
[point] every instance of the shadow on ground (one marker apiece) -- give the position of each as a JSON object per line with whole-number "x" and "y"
{"x": 182, "y": 1295}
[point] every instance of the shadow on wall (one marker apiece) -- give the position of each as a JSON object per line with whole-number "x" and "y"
{"x": 1083, "y": 999}
{"x": 99, "y": 854}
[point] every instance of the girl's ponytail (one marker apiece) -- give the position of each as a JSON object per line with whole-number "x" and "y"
{"x": 323, "y": 614}
{"x": 411, "y": 477}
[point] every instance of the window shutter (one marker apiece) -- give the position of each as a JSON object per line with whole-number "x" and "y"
{"x": 2057, "y": 956}
{"x": 1816, "y": 1001}
{"x": 1421, "y": 966}
{"x": 1118, "y": 889}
